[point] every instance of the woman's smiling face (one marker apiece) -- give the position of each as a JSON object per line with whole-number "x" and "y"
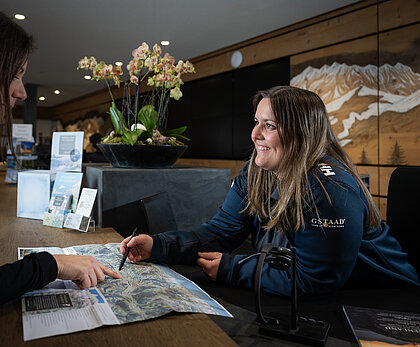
{"x": 266, "y": 137}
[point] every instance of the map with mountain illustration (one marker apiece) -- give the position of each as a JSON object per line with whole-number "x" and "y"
{"x": 355, "y": 96}
{"x": 148, "y": 290}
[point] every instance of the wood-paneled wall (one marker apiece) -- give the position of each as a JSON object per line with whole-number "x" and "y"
{"x": 362, "y": 22}
{"x": 345, "y": 24}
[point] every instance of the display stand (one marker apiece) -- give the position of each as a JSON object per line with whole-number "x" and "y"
{"x": 299, "y": 329}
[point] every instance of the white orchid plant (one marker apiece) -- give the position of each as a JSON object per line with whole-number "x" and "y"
{"x": 143, "y": 124}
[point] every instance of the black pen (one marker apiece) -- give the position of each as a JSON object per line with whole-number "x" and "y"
{"x": 127, "y": 250}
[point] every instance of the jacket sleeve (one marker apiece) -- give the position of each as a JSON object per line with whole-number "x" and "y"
{"x": 326, "y": 249}
{"x": 32, "y": 272}
{"x": 223, "y": 233}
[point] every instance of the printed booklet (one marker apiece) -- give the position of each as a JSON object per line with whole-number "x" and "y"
{"x": 372, "y": 327}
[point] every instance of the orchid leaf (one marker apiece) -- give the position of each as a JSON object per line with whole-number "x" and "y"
{"x": 175, "y": 131}
{"x": 149, "y": 117}
{"x": 131, "y": 137}
{"x": 117, "y": 119}
{"x": 179, "y": 136}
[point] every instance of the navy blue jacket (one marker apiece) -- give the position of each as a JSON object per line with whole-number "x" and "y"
{"x": 334, "y": 246}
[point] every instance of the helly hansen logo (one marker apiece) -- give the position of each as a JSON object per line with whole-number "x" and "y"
{"x": 328, "y": 223}
{"x": 326, "y": 170}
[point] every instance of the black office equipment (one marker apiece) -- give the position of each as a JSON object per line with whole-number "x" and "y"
{"x": 402, "y": 208}
{"x": 299, "y": 329}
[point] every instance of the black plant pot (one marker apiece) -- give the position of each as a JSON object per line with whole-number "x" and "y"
{"x": 141, "y": 156}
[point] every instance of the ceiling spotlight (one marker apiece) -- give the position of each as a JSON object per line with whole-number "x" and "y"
{"x": 165, "y": 43}
{"x": 41, "y": 98}
{"x": 56, "y": 92}
{"x": 20, "y": 16}
{"x": 118, "y": 63}
{"x": 87, "y": 77}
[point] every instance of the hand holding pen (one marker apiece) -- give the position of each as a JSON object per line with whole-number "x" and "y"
{"x": 136, "y": 248}
{"x": 127, "y": 250}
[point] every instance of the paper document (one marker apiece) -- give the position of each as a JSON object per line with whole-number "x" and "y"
{"x": 145, "y": 291}
{"x": 53, "y": 312}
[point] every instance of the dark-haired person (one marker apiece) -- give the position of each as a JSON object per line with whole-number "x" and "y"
{"x": 35, "y": 270}
{"x": 298, "y": 189}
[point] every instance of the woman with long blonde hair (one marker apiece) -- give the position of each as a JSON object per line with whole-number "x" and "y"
{"x": 299, "y": 189}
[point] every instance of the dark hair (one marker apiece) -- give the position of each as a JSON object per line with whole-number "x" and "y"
{"x": 307, "y": 136}
{"x": 15, "y": 46}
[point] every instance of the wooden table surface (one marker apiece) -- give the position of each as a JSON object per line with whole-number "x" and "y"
{"x": 172, "y": 330}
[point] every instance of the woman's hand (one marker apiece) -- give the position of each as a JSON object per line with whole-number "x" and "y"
{"x": 140, "y": 247}
{"x": 83, "y": 270}
{"x": 209, "y": 262}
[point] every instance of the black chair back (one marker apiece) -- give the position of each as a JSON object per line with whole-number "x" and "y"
{"x": 158, "y": 214}
{"x": 151, "y": 215}
{"x": 403, "y": 207}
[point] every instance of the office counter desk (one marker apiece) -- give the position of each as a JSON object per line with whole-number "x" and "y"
{"x": 240, "y": 302}
{"x": 180, "y": 329}
{"x": 171, "y": 330}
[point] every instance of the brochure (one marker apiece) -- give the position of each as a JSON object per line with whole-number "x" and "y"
{"x": 372, "y": 327}
{"x": 53, "y": 219}
{"x": 59, "y": 202}
{"x": 52, "y": 312}
{"x": 145, "y": 291}
{"x": 66, "y": 151}
{"x": 86, "y": 201}
{"x": 68, "y": 183}
{"x": 77, "y": 222}
{"x": 58, "y": 208}
{"x": 81, "y": 219}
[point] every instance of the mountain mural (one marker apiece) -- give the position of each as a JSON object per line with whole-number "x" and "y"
{"x": 356, "y": 95}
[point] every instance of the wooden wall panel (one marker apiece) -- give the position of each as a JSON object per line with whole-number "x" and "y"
{"x": 72, "y": 116}
{"x": 396, "y": 13}
{"x": 348, "y": 35}
{"x": 234, "y": 165}
{"x": 297, "y": 26}
{"x": 334, "y": 30}
{"x": 100, "y": 99}
{"x": 399, "y": 107}
{"x": 382, "y": 207}
{"x": 373, "y": 172}
{"x": 43, "y": 112}
{"x": 335, "y": 27}
{"x": 345, "y": 77}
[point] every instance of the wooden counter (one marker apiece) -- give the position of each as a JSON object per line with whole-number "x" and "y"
{"x": 173, "y": 330}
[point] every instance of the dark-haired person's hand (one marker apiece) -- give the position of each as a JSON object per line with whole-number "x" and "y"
{"x": 140, "y": 247}
{"x": 209, "y": 262}
{"x": 83, "y": 270}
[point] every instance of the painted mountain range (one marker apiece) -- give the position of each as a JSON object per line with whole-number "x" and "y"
{"x": 356, "y": 95}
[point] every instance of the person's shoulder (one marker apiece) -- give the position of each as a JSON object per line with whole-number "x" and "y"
{"x": 241, "y": 179}
{"x": 243, "y": 172}
{"x": 331, "y": 173}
